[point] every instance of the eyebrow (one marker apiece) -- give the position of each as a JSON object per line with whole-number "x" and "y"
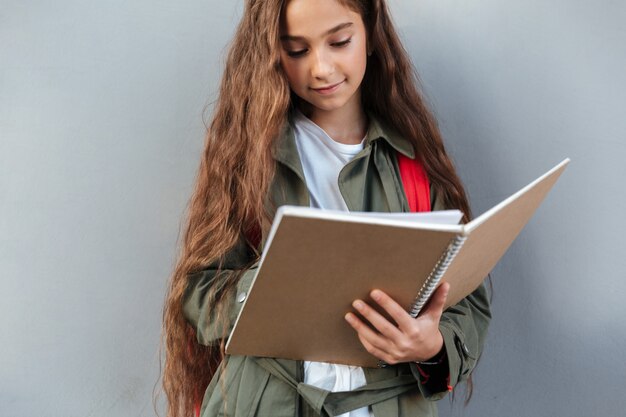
{"x": 328, "y": 32}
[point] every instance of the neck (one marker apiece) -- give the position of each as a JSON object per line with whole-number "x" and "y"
{"x": 347, "y": 124}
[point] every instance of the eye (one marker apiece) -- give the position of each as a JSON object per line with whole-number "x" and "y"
{"x": 342, "y": 43}
{"x": 296, "y": 54}
{"x": 302, "y": 52}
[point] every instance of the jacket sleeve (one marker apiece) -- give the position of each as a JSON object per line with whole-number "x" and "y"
{"x": 464, "y": 329}
{"x": 197, "y": 308}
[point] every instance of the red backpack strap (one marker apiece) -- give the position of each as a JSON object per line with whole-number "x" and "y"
{"x": 415, "y": 182}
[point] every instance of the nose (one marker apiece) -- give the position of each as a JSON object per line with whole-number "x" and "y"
{"x": 321, "y": 65}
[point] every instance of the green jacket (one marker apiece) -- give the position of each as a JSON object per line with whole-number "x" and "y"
{"x": 249, "y": 386}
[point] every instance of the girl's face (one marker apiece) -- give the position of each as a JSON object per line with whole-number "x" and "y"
{"x": 324, "y": 53}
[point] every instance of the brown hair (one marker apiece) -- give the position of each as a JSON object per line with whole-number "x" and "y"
{"x": 237, "y": 168}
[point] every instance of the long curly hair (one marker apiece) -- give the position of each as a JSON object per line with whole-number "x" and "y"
{"x": 237, "y": 168}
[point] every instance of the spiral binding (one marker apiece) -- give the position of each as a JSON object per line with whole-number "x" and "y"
{"x": 436, "y": 274}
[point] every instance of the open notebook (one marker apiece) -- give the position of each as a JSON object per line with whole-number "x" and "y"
{"x": 316, "y": 262}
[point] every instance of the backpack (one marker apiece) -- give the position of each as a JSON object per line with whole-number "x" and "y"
{"x": 415, "y": 182}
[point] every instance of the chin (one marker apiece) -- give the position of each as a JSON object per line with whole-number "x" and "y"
{"x": 328, "y": 105}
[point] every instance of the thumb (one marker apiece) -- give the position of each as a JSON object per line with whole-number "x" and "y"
{"x": 434, "y": 308}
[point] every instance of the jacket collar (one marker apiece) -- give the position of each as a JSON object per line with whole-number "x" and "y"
{"x": 379, "y": 130}
{"x": 287, "y": 152}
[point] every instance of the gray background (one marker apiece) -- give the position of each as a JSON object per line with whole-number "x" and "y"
{"x": 101, "y": 130}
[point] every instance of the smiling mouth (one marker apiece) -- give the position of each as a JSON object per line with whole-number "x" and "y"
{"x": 328, "y": 89}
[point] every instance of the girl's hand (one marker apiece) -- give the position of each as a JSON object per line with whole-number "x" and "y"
{"x": 412, "y": 339}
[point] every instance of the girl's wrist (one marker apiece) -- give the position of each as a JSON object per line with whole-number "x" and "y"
{"x": 439, "y": 356}
{"x": 435, "y": 360}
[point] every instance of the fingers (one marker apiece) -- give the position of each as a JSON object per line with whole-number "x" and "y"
{"x": 405, "y": 323}
{"x": 434, "y": 308}
{"x": 378, "y": 353}
{"x": 366, "y": 333}
{"x": 412, "y": 339}
{"x": 374, "y": 343}
{"x": 395, "y": 310}
{"x": 387, "y": 329}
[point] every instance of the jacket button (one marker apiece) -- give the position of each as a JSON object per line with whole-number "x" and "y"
{"x": 241, "y": 297}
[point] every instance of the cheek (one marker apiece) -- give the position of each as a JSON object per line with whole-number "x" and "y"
{"x": 292, "y": 73}
{"x": 363, "y": 57}
{"x": 356, "y": 68}
{"x": 357, "y": 60}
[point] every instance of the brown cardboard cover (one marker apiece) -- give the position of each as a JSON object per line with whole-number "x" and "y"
{"x": 315, "y": 268}
{"x": 490, "y": 235}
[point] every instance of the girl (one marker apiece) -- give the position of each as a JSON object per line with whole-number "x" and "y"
{"x": 317, "y": 106}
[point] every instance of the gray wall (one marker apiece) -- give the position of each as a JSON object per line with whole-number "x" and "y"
{"x": 100, "y": 132}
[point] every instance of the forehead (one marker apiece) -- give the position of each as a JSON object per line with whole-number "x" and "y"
{"x": 313, "y": 18}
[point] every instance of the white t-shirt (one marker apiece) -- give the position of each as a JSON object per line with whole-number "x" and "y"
{"x": 322, "y": 160}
